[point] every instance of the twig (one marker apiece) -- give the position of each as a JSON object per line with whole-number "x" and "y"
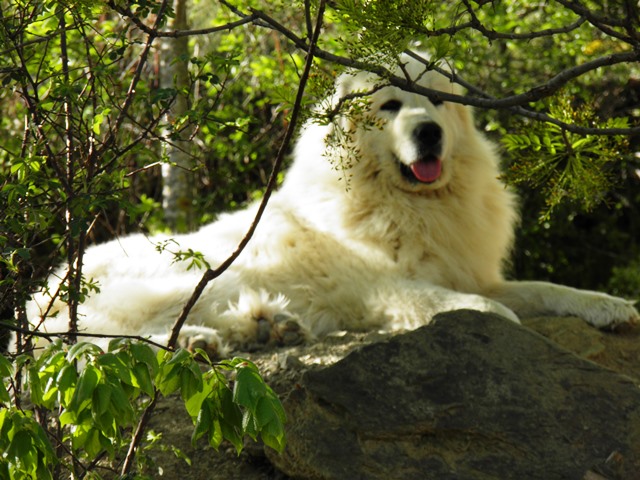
{"x": 75, "y": 266}
{"x": 210, "y": 274}
{"x": 515, "y": 103}
{"x": 538, "y": 116}
{"x": 51, "y": 335}
{"x": 491, "y": 34}
{"x": 126, "y": 11}
{"x": 602, "y": 24}
{"x": 151, "y": 36}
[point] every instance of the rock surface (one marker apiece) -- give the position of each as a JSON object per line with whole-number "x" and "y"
{"x": 284, "y": 368}
{"x": 471, "y": 396}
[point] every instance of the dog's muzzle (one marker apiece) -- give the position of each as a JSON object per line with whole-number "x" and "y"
{"x": 427, "y": 167}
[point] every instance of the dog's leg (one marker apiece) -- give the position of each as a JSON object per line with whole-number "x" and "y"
{"x": 415, "y": 304}
{"x": 529, "y": 299}
{"x": 259, "y": 319}
{"x": 193, "y": 337}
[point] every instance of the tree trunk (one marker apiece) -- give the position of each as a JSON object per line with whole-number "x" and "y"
{"x": 177, "y": 172}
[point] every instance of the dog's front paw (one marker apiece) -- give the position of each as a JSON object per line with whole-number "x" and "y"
{"x": 281, "y": 329}
{"x": 194, "y": 337}
{"x": 605, "y": 311}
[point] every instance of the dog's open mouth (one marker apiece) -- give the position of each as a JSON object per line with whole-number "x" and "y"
{"x": 425, "y": 170}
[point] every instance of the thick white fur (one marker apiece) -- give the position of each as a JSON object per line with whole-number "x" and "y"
{"x": 377, "y": 251}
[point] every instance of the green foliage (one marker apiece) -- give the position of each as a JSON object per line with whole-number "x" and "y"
{"x": 100, "y": 401}
{"x": 195, "y": 259}
{"x": 625, "y": 280}
{"x": 83, "y": 138}
{"x": 564, "y": 165}
{"x": 28, "y": 454}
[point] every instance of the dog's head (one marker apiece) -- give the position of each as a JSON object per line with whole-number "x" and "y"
{"x": 413, "y": 142}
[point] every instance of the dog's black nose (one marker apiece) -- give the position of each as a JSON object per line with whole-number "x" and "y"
{"x": 428, "y": 134}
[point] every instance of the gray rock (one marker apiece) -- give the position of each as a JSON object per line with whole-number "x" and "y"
{"x": 471, "y": 396}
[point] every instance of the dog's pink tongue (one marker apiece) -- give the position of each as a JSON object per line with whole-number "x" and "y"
{"x": 427, "y": 171}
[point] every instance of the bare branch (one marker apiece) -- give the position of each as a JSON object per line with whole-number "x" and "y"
{"x": 52, "y": 335}
{"x": 207, "y": 31}
{"x": 151, "y": 36}
{"x": 491, "y": 34}
{"x": 516, "y": 103}
{"x": 535, "y": 115}
{"x": 144, "y": 419}
{"x": 331, "y": 114}
{"x": 126, "y": 11}
{"x": 520, "y": 100}
{"x": 19, "y": 46}
{"x": 210, "y": 274}
{"x": 603, "y": 24}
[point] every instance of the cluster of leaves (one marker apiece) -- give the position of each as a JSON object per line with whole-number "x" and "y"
{"x": 101, "y": 400}
{"x": 563, "y": 165}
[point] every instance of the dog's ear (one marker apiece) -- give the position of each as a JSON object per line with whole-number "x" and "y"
{"x": 344, "y": 84}
{"x": 465, "y": 114}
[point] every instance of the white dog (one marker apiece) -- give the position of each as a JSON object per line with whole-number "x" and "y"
{"x": 422, "y": 225}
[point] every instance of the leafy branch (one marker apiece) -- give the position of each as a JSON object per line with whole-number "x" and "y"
{"x": 100, "y": 400}
{"x": 516, "y": 103}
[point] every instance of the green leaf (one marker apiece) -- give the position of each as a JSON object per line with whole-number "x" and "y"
{"x": 249, "y": 388}
{"x": 34, "y": 383}
{"x": 68, "y": 417}
{"x": 82, "y": 348}
{"x": 193, "y": 403}
{"x": 66, "y": 382}
{"x": 120, "y": 403}
{"x": 179, "y": 357}
{"x": 6, "y": 369}
{"x": 269, "y": 411}
{"x": 50, "y": 395}
{"x": 5, "y": 398}
{"x": 580, "y": 143}
{"x": 115, "y": 364}
{"x": 67, "y": 377}
{"x": 168, "y": 380}
{"x": 249, "y": 424}
{"x": 101, "y": 399}
{"x": 273, "y": 436}
{"x": 190, "y": 380}
{"x": 93, "y": 445}
{"x": 97, "y": 122}
{"x": 143, "y": 353}
{"x": 87, "y": 383}
{"x": 143, "y": 377}
{"x": 50, "y": 362}
{"x": 21, "y": 446}
{"x": 203, "y": 423}
{"x": 230, "y": 418}
{"x": 215, "y": 434}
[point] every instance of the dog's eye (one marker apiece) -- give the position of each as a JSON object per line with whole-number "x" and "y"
{"x": 391, "y": 106}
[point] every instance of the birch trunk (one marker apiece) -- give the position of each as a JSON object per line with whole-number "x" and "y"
{"x": 177, "y": 173}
